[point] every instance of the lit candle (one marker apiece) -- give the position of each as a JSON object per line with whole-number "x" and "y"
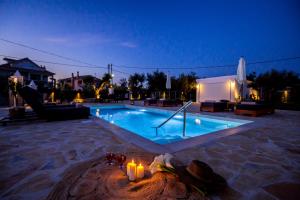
{"x": 140, "y": 171}
{"x": 131, "y": 170}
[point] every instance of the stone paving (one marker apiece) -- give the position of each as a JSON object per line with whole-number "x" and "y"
{"x": 33, "y": 157}
{"x": 261, "y": 163}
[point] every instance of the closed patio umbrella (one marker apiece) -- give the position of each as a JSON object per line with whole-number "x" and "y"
{"x": 241, "y": 77}
{"x": 32, "y": 85}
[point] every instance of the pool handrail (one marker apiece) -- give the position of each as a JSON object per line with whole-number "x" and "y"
{"x": 182, "y": 108}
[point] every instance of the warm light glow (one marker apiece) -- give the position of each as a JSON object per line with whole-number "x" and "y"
{"x": 140, "y": 171}
{"x": 236, "y": 95}
{"x": 232, "y": 83}
{"x": 198, "y": 85}
{"x": 131, "y": 170}
{"x": 52, "y": 96}
{"x": 78, "y": 98}
{"x": 284, "y": 97}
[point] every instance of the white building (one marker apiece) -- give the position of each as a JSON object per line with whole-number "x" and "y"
{"x": 217, "y": 88}
{"x": 232, "y": 88}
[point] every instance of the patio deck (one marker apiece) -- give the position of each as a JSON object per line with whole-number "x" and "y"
{"x": 260, "y": 163}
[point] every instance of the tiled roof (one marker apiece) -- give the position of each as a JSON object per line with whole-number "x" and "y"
{"x": 25, "y": 65}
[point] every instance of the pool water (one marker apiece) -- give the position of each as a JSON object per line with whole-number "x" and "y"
{"x": 142, "y": 121}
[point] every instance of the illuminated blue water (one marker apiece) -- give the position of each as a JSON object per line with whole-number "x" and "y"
{"x": 142, "y": 120}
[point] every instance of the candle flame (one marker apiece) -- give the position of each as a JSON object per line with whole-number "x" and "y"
{"x": 132, "y": 161}
{"x": 140, "y": 164}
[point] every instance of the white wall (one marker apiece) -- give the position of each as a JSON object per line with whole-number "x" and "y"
{"x": 217, "y": 88}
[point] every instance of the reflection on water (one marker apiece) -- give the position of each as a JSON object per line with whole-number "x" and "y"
{"x": 142, "y": 122}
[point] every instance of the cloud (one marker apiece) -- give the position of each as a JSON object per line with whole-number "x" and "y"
{"x": 128, "y": 44}
{"x": 83, "y": 39}
{"x": 87, "y": 39}
{"x": 93, "y": 39}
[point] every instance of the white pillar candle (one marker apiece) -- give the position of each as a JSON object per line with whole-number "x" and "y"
{"x": 140, "y": 171}
{"x": 131, "y": 171}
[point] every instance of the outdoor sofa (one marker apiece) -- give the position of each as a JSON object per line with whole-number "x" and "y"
{"x": 150, "y": 102}
{"x": 213, "y": 106}
{"x": 254, "y": 109}
{"x": 163, "y": 102}
{"x": 52, "y": 112}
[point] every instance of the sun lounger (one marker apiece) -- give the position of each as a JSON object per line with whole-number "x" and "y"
{"x": 211, "y": 106}
{"x": 52, "y": 112}
{"x": 253, "y": 109}
{"x": 169, "y": 103}
{"x": 150, "y": 102}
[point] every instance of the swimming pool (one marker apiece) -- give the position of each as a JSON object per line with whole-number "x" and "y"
{"x": 142, "y": 121}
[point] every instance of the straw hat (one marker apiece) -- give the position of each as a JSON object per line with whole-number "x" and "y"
{"x": 202, "y": 176}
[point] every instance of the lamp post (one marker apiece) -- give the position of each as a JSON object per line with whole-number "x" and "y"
{"x": 15, "y": 80}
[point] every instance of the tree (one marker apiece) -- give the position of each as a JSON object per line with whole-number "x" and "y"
{"x": 187, "y": 85}
{"x": 123, "y": 82}
{"x": 88, "y": 90}
{"x": 272, "y": 81}
{"x": 136, "y": 83}
{"x": 106, "y": 78}
{"x": 89, "y": 80}
{"x": 156, "y": 81}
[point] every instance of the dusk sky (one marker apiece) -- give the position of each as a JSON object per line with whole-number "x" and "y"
{"x": 153, "y": 34}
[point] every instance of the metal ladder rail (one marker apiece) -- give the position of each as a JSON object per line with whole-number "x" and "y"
{"x": 179, "y": 110}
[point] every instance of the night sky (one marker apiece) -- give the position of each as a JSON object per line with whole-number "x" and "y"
{"x": 155, "y": 34}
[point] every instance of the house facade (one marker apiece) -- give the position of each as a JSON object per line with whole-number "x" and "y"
{"x": 29, "y": 70}
{"x": 77, "y": 82}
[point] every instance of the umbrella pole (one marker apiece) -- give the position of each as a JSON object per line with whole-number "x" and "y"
{"x": 242, "y": 92}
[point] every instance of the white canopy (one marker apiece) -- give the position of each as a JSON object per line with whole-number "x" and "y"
{"x": 32, "y": 85}
{"x": 168, "y": 82}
